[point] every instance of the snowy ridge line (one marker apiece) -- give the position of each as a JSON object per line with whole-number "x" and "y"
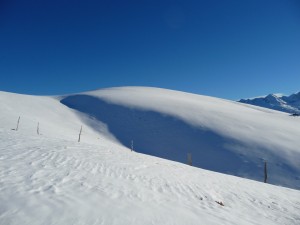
{"x": 289, "y": 104}
{"x": 222, "y": 135}
{"x": 52, "y": 179}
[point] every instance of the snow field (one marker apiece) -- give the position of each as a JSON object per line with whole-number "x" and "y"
{"x": 52, "y": 179}
{"x": 49, "y": 181}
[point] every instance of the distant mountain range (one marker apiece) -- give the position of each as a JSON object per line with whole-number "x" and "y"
{"x": 289, "y": 104}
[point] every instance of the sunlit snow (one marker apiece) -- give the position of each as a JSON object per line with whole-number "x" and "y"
{"x": 52, "y": 178}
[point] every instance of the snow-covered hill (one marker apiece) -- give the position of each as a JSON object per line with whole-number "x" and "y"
{"x": 289, "y": 104}
{"x": 52, "y": 179}
{"x": 222, "y": 135}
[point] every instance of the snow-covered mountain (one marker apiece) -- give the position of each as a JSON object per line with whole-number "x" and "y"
{"x": 52, "y": 178}
{"x": 289, "y": 104}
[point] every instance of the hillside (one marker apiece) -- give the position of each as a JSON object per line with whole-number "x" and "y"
{"x": 52, "y": 179}
{"x": 222, "y": 135}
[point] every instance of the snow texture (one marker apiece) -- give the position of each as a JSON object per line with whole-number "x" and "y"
{"x": 222, "y": 135}
{"x": 52, "y": 178}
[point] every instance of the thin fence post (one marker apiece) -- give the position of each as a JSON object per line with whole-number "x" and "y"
{"x": 80, "y": 134}
{"x": 132, "y": 145}
{"x": 18, "y": 123}
{"x": 38, "y": 129}
{"x": 266, "y": 172}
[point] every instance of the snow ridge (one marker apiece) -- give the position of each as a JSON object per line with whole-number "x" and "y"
{"x": 289, "y": 104}
{"x": 51, "y": 178}
{"x": 223, "y": 136}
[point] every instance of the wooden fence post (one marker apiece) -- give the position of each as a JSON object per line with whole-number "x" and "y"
{"x": 266, "y": 172}
{"x": 18, "y": 123}
{"x": 80, "y": 134}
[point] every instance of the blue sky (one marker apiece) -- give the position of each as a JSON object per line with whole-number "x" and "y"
{"x": 230, "y": 49}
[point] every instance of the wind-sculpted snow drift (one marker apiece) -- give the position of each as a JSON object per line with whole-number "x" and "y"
{"x": 223, "y": 136}
{"x": 51, "y": 178}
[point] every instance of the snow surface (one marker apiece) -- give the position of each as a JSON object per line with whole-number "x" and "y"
{"x": 222, "y": 135}
{"x": 53, "y": 179}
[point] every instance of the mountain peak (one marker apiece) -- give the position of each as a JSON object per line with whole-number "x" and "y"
{"x": 289, "y": 104}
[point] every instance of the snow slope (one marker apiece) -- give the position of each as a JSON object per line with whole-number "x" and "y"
{"x": 223, "y": 136}
{"x": 289, "y": 104}
{"x": 52, "y": 179}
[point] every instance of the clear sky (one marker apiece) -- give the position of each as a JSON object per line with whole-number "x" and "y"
{"x": 226, "y": 48}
